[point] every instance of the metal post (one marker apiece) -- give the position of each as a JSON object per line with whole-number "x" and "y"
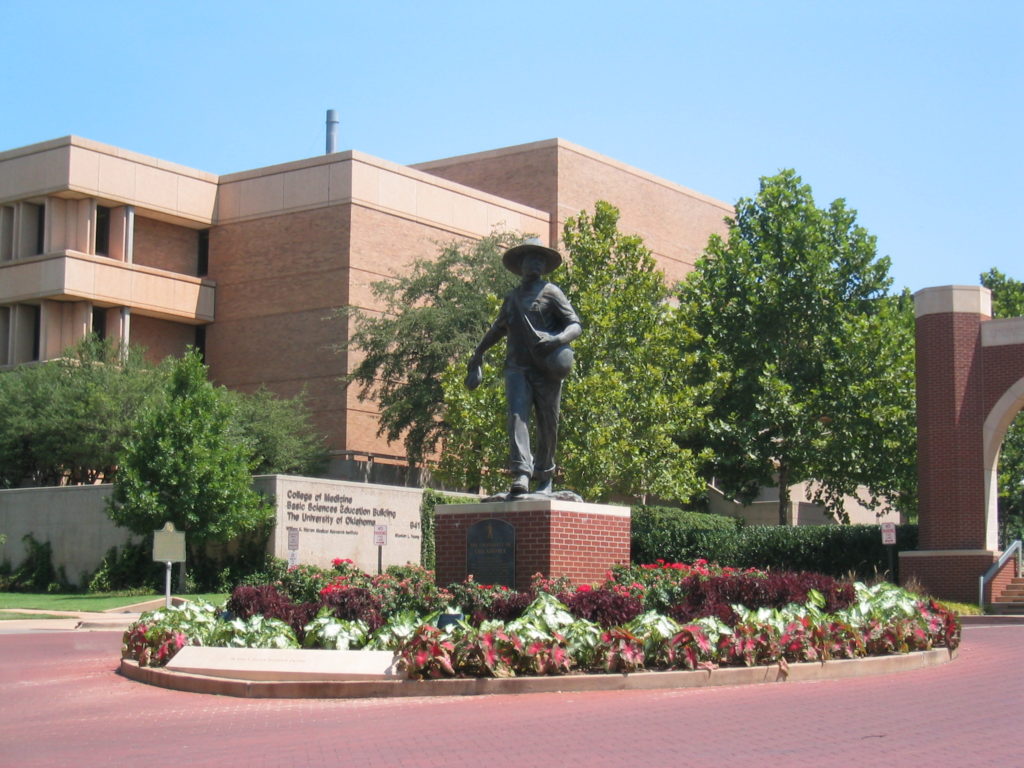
{"x": 167, "y": 586}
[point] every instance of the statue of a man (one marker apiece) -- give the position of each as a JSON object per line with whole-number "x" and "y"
{"x": 539, "y": 323}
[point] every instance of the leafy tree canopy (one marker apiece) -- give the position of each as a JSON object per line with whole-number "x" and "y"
{"x": 66, "y": 421}
{"x": 625, "y": 404}
{"x": 431, "y": 317}
{"x": 277, "y": 432}
{"x": 1007, "y": 294}
{"x": 183, "y": 465}
{"x": 811, "y": 360}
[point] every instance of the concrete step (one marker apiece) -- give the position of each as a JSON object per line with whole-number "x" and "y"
{"x": 1007, "y": 609}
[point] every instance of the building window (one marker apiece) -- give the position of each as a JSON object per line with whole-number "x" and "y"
{"x": 5, "y": 335}
{"x": 6, "y": 233}
{"x": 40, "y": 228}
{"x": 201, "y": 341}
{"x": 102, "y": 230}
{"x": 99, "y": 323}
{"x": 25, "y": 323}
{"x": 203, "y": 254}
{"x": 33, "y": 229}
{"x": 35, "y": 325}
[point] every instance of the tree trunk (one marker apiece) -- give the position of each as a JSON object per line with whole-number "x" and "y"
{"x": 783, "y": 494}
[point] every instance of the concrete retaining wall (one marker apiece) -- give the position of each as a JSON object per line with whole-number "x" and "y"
{"x": 325, "y": 519}
{"x": 72, "y": 519}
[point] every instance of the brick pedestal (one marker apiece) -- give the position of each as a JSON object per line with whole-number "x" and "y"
{"x": 555, "y": 538}
{"x": 950, "y": 574}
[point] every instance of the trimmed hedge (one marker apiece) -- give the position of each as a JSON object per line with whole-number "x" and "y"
{"x": 837, "y": 550}
{"x": 679, "y": 535}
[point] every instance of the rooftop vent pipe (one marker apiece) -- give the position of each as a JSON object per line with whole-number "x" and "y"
{"x": 332, "y": 131}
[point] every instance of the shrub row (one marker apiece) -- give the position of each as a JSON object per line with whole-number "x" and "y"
{"x": 836, "y": 550}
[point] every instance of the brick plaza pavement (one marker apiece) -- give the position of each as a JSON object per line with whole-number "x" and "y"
{"x": 62, "y": 703}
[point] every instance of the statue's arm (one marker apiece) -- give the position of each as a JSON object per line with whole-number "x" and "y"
{"x": 497, "y": 331}
{"x": 570, "y": 333}
{"x": 567, "y": 335}
{"x": 571, "y": 329}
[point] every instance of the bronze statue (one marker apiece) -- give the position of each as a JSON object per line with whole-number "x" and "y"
{"x": 540, "y": 324}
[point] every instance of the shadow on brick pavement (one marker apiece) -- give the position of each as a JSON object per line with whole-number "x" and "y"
{"x": 62, "y": 702}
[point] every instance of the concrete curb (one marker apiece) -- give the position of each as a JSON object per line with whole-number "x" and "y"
{"x": 358, "y": 689}
{"x": 994, "y": 620}
{"x": 68, "y": 620}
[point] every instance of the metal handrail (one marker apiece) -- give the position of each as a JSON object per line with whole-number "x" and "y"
{"x": 1014, "y": 548}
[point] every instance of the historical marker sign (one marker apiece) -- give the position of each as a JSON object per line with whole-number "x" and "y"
{"x": 169, "y": 545}
{"x": 491, "y": 552}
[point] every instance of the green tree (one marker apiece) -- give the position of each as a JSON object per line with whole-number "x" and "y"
{"x": 1007, "y": 294}
{"x": 65, "y": 421}
{"x": 625, "y": 405}
{"x": 278, "y": 433}
{"x": 184, "y": 465}
{"x": 1008, "y": 301}
{"x": 431, "y": 317}
{"x": 811, "y": 359}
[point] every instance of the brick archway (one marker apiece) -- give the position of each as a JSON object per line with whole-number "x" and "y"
{"x": 970, "y": 385}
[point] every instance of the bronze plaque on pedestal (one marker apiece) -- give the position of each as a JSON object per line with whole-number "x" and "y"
{"x": 491, "y": 552}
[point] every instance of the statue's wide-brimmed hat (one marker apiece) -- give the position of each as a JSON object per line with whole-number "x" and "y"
{"x": 513, "y": 258}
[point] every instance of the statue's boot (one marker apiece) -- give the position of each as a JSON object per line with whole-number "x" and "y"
{"x": 520, "y": 485}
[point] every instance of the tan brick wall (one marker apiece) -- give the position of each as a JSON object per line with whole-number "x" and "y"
{"x": 161, "y": 338}
{"x": 674, "y": 223}
{"x": 165, "y": 246}
{"x": 384, "y": 245}
{"x": 563, "y": 179}
{"x": 279, "y": 280}
{"x": 527, "y": 175}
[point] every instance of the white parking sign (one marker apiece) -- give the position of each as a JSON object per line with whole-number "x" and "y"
{"x": 888, "y": 533}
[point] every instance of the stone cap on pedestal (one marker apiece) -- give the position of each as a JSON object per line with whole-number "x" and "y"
{"x": 532, "y": 505}
{"x": 946, "y": 299}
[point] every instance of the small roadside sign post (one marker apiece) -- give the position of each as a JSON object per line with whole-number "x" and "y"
{"x": 293, "y": 547}
{"x": 168, "y": 547}
{"x": 889, "y": 540}
{"x": 380, "y": 538}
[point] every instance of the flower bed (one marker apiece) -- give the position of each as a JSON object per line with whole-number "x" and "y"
{"x": 658, "y": 616}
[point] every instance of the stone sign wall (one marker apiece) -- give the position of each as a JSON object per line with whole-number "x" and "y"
{"x": 320, "y": 520}
{"x": 317, "y": 521}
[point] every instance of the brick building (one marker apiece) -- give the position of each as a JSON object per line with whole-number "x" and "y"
{"x": 249, "y": 266}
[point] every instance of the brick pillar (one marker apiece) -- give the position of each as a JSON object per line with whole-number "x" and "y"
{"x": 951, "y": 417}
{"x": 950, "y": 450}
{"x": 554, "y": 538}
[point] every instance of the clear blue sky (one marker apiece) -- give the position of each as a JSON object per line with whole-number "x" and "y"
{"x": 912, "y": 111}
